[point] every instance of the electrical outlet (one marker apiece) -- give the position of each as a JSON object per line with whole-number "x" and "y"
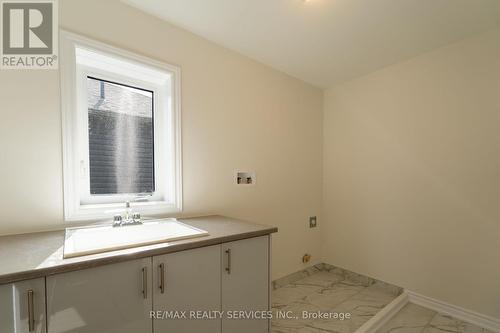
{"x": 312, "y": 222}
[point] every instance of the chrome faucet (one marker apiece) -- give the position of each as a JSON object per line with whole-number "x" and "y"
{"x": 130, "y": 218}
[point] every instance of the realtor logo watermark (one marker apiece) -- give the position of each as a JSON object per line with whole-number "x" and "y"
{"x": 29, "y": 34}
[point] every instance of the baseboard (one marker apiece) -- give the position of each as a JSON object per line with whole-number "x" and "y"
{"x": 384, "y": 315}
{"x": 457, "y": 312}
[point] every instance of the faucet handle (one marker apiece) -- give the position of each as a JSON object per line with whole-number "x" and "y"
{"x": 117, "y": 220}
{"x": 136, "y": 217}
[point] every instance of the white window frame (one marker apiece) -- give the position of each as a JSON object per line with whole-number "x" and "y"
{"x": 82, "y": 57}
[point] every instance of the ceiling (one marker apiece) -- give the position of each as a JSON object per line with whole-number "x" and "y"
{"x": 325, "y": 42}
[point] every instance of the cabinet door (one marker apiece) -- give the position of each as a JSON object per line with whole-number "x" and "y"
{"x": 187, "y": 281}
{"x": 115, "y": 298}
{"x": 245, "y": 284}
{"x": 22, "y": 307}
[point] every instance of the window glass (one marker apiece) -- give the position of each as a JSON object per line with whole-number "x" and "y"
{"x": 121, "y": 138}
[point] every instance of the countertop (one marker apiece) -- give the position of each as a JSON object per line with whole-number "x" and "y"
{"x": 34, "y": 255}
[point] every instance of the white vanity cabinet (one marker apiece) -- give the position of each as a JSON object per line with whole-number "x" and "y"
{"x": 245, "y": 284}
{"x": 22, "y": 307}
{"x": 114, "y": 298}
{"x": 214, "y": 281}
{"x": 187, "y": 283}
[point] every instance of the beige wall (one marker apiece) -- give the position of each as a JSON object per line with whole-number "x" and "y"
{"x": 411, "y": 154}
{"x": 412, "y": 174}
{"x": 236, "y": 113}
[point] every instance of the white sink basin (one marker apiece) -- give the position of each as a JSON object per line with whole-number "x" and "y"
{"x": 92, "y": 240}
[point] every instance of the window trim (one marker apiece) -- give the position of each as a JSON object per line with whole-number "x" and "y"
{"x": 74, "y": 210}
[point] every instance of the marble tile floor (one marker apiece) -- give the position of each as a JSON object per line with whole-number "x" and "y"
{"x": 331, "y": 291}
{"x": 413, "y": 318}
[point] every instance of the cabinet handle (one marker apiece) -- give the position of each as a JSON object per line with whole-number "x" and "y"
{"x": 31, "y": 314}
{"x": 145, "y": 282}
{"x": 161, "y": 271}
{"x": 228, "y": 267}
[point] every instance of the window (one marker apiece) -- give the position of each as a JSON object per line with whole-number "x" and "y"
{"x": 121, "y": 131}
{"x": 121, "y": 140}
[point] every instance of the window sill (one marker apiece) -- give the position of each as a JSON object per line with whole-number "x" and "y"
{"x": 107, "y": 211}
